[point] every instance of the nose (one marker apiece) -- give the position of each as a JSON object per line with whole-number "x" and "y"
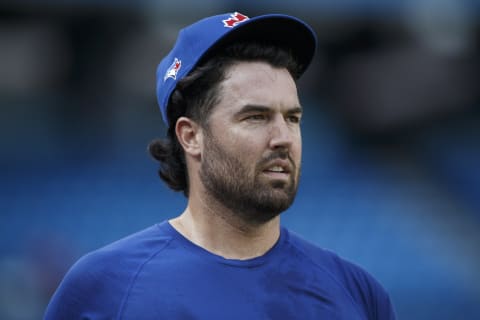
{"x": 282, "y": 134}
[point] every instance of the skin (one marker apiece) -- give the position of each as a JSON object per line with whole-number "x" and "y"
{"x": 256, "y": 120}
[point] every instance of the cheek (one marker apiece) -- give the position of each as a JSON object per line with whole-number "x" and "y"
{"x": 297, "y": 148}
{"x": 244, "y": 144}
{"x": 245, "y": 149}
{"x": 248, "y": 153}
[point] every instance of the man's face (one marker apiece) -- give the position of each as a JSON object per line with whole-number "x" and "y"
{"x": 252, "y": 143}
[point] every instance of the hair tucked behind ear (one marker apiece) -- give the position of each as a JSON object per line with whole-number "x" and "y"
{"x": 197, "y": 94}
{"x": 172, "y": 163}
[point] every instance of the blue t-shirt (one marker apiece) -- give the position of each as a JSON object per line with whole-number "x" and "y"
{"x": 159, "y": 274}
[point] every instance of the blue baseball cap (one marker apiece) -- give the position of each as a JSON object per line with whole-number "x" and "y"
{"x": 202, "y": 37}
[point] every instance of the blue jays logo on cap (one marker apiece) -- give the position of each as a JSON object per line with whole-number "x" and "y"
{"x": 172, "y": 71}
{"x": 235, "y": 19}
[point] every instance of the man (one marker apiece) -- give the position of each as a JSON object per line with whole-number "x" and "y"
{"x": 228, "y": 95}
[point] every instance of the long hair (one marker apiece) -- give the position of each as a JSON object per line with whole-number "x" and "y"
{"x": 196, "y": 95}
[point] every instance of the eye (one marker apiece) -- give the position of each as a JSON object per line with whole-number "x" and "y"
{"x": 293, "y": 118}
{"x": 256, "y": 117}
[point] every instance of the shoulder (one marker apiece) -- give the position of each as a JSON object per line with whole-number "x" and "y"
{"x": 123, "y": 257}
{"x": 364, "y": 289}
{"x": 98, "y": 282}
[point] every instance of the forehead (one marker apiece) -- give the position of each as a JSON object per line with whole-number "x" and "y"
{"x": 257, "y": 83}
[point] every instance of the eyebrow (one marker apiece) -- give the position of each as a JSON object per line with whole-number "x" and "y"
{"x": 263, "y": 109}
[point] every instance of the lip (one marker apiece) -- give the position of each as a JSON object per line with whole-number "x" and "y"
{"x": 284, "y": 164}
{"x": 276, "y": 175}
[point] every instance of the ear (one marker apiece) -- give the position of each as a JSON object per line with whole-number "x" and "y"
{"x": 189, "y": 135}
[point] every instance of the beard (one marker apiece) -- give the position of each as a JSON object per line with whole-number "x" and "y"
{"x": 236, "y": 186}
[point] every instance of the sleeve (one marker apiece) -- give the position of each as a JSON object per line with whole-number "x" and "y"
{"x": 91, "y": 289}
{"x": 368, "y": 292}
{"x": 385, "y": 309}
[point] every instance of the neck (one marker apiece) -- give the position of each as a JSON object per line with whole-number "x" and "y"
{"x": 217, "y": 229}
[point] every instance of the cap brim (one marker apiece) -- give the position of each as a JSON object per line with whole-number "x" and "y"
{"x": 282, "y": 30}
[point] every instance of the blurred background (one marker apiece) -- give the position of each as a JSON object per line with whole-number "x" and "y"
{"x": 391, "y": 176}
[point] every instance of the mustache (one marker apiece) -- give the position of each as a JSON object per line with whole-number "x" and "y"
{"x": 279, "y": 154}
